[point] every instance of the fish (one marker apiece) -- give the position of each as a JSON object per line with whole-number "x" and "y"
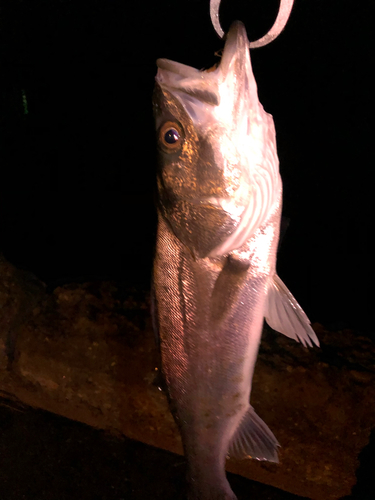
{"x": 214, "y": 275}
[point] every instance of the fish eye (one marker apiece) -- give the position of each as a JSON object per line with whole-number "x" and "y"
{"x": 170, "y": 137}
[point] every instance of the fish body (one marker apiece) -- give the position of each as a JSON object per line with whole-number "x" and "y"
{"x": 219, "y": 209}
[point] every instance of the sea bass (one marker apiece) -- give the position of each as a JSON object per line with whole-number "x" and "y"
{"x": 219, "y": 208}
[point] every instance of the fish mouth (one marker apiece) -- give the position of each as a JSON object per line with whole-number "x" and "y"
{"x": 179, "y": 69}
{"x": 214, "y": 94}
{"x": 236, "y": 39}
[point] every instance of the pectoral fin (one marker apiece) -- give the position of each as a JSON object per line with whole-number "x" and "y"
{"x": 253, "y": 439}
{"x": 227, "y": 289}
{"x": 286, "y": 316}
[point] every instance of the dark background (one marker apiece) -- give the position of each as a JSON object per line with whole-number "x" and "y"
{"x": 77, "y": 171}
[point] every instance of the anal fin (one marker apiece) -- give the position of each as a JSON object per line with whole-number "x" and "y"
{"x": 253, "y": 439}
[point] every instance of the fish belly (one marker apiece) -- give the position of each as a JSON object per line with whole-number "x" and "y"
{"x": 210, "y": 318}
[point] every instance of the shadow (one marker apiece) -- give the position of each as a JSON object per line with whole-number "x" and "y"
{"x": 66, "y": 460}
{"x": 365, "y": 487}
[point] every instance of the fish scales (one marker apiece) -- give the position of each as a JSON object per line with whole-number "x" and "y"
{"x": 219, "y": 209}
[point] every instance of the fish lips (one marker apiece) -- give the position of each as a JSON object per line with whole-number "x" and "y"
{"x": 235, "y": 64}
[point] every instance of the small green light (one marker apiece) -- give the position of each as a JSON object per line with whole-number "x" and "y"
{"x": 24, "y": 102}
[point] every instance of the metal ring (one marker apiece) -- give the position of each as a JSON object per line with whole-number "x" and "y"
{"x": 281, "y": 20}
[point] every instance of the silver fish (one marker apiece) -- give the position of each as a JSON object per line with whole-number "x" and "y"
{"x": 215, "y": 280}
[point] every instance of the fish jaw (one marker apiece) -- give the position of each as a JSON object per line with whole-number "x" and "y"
{"x": 224, "y": 179}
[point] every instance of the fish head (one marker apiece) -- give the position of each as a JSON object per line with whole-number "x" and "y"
{"x": 211, "y": 134}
